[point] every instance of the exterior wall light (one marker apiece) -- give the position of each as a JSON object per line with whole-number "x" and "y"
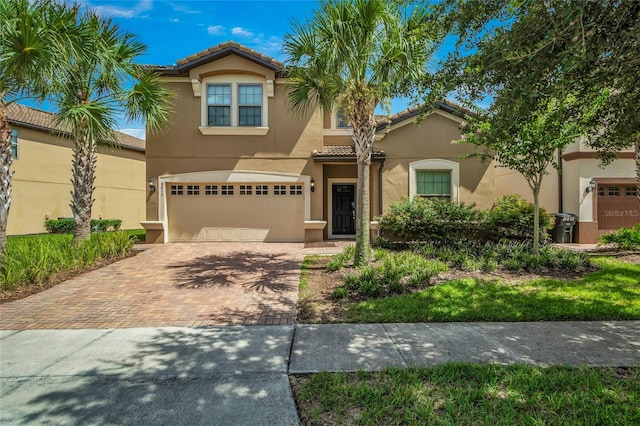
{"x": 152, "y": 186}
{"x": 312, "y": 185}
{"x": 591, "y": 187}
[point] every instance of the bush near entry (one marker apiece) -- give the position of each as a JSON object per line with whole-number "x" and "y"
{"x": 423, "y": 219}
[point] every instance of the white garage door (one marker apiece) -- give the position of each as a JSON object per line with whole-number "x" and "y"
{"x": 235, "y": 211}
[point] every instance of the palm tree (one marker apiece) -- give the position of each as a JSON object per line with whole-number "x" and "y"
{"x": 34, "y": 35}
{"x": 99, "y": 87}
{"x": 356, "y": 55}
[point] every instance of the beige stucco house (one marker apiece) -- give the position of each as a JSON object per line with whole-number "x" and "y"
{"x": 239, "y": 165}
{"x": 41, "y": 184}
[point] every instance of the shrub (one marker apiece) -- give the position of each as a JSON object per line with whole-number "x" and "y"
{"x": 103, "y": 225}
{"x": 65, "y": 225}
{"x": 393, "y": 275}
{"x": 339, "y": 261}
{"x": 34, "y": 259}
{"x": 511, "y": 218}
{"x": 59, "y": 226}
{"x": 514, "y": 256}
{"x": 623, "y": 239}
{"x": 339, "y": 293}
{"x": 422, "y": 219}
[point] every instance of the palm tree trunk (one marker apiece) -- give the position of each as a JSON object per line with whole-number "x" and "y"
{"x": 84, "y": 166}
{"x": 363, "y": 137}
{"x": 5, "y": 176}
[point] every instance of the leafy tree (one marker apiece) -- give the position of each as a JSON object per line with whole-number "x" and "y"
{"x": 525, "y": 52}
{"x": 356, "y": 55}
{"x": 34, "y": 35}
{"x": 97, "y": 88}
{"x": 528, "y": 146}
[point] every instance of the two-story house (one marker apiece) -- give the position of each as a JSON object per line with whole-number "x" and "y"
{"x": 239, "y": 165}
{"x": 41, "y": 183}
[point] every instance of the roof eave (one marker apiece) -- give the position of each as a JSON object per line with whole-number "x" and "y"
{"x": 183, "y": 69}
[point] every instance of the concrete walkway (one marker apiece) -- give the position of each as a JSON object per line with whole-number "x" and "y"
{"x": 238, "y": 375}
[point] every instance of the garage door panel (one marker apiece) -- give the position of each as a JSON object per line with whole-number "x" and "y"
{"x": 209, "y": 217}
{"x": 618, "y": 206}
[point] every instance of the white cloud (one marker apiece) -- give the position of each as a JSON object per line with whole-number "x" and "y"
{"x": 136, "y": 133}
{"x": 215, "y": 29}
{"x": 271, "y": 46}
{"x": 239, "y": 31}
{"x": 175, "y": 20}
{"x": 124, "y": 12}
{"x": 183, "y": 9}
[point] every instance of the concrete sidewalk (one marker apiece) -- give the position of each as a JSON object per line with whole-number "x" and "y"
{"x": 238, "y": 375}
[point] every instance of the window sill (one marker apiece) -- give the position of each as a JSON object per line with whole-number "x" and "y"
{"x": 338, "y": 132}
{"x": 231, "y": 131}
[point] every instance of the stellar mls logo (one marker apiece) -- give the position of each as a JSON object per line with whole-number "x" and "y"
{"x": 619, "y": 213}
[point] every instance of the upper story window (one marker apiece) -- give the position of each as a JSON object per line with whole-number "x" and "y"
{"x": 219, "y": 104}
{"x": 235, "y": 105}
{"x": 14, "y": 144}
{"x": 342, "y": 121}
{"x": 339, "y": 124}
{"x": 249, "y": 105}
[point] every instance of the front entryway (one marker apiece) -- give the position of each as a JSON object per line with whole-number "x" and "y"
{"x": 344, "y": 205}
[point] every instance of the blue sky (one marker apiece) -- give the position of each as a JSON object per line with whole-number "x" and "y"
{"x": 175, "y": 29}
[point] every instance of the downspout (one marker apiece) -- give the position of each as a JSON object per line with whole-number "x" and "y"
{"x": 560, "y": 204}
{"x": 380, "y": 186}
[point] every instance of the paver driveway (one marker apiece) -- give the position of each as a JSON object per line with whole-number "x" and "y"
{"x": 172, "y": 285}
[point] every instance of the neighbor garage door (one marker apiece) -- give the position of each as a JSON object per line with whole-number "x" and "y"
{"x": 618, "y": 206}
{"x": 235, "y": 212}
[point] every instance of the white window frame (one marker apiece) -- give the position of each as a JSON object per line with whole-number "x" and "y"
{"x": 234, "y": 129}
{"x": 14, "y": 143}
{"x": 335, "y": 130}
{"x": 435, "y": 165}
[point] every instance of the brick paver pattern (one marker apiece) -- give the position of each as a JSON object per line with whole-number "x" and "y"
{"x": 199, "y": 284}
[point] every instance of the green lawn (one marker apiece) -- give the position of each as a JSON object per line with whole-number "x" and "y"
{"x": 611, "y": 293}
{"x": 465, "y": 394}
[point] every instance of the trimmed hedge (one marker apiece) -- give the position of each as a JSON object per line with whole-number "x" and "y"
{"x": 423, "y": 219}
{"x": 65, "y": 225}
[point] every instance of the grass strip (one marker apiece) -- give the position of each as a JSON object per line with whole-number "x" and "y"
{"x": 612, "y": 293}
{"x": 455, "y": 394}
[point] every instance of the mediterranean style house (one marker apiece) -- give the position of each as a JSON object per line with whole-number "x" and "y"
{"x": 41, "y": 184}
{"x": 238, "y": 165}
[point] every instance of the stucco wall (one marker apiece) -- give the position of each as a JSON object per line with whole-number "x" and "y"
{"x": 509, "y": 181}
{"x": 42, "y": 183}
{"x": 431, "y": 139}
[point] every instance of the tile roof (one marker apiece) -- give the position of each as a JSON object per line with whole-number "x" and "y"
{"x": 226, "y": 45}
{"x": 42, "y": 120}
{"x": 342, "y": 152}
{"x": 213, "y": 53}
{"x": 444, "y": 105}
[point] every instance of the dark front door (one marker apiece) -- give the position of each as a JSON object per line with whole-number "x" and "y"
{"x": 344, "y": 206}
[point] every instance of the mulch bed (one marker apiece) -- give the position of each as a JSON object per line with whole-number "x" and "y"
{"x": 316, "y": 305}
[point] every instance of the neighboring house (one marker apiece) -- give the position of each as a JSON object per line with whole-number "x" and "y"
{"x": 604, "y": 199}
{"x": 42, "y": 175}
{"x": 239, "y": 165}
